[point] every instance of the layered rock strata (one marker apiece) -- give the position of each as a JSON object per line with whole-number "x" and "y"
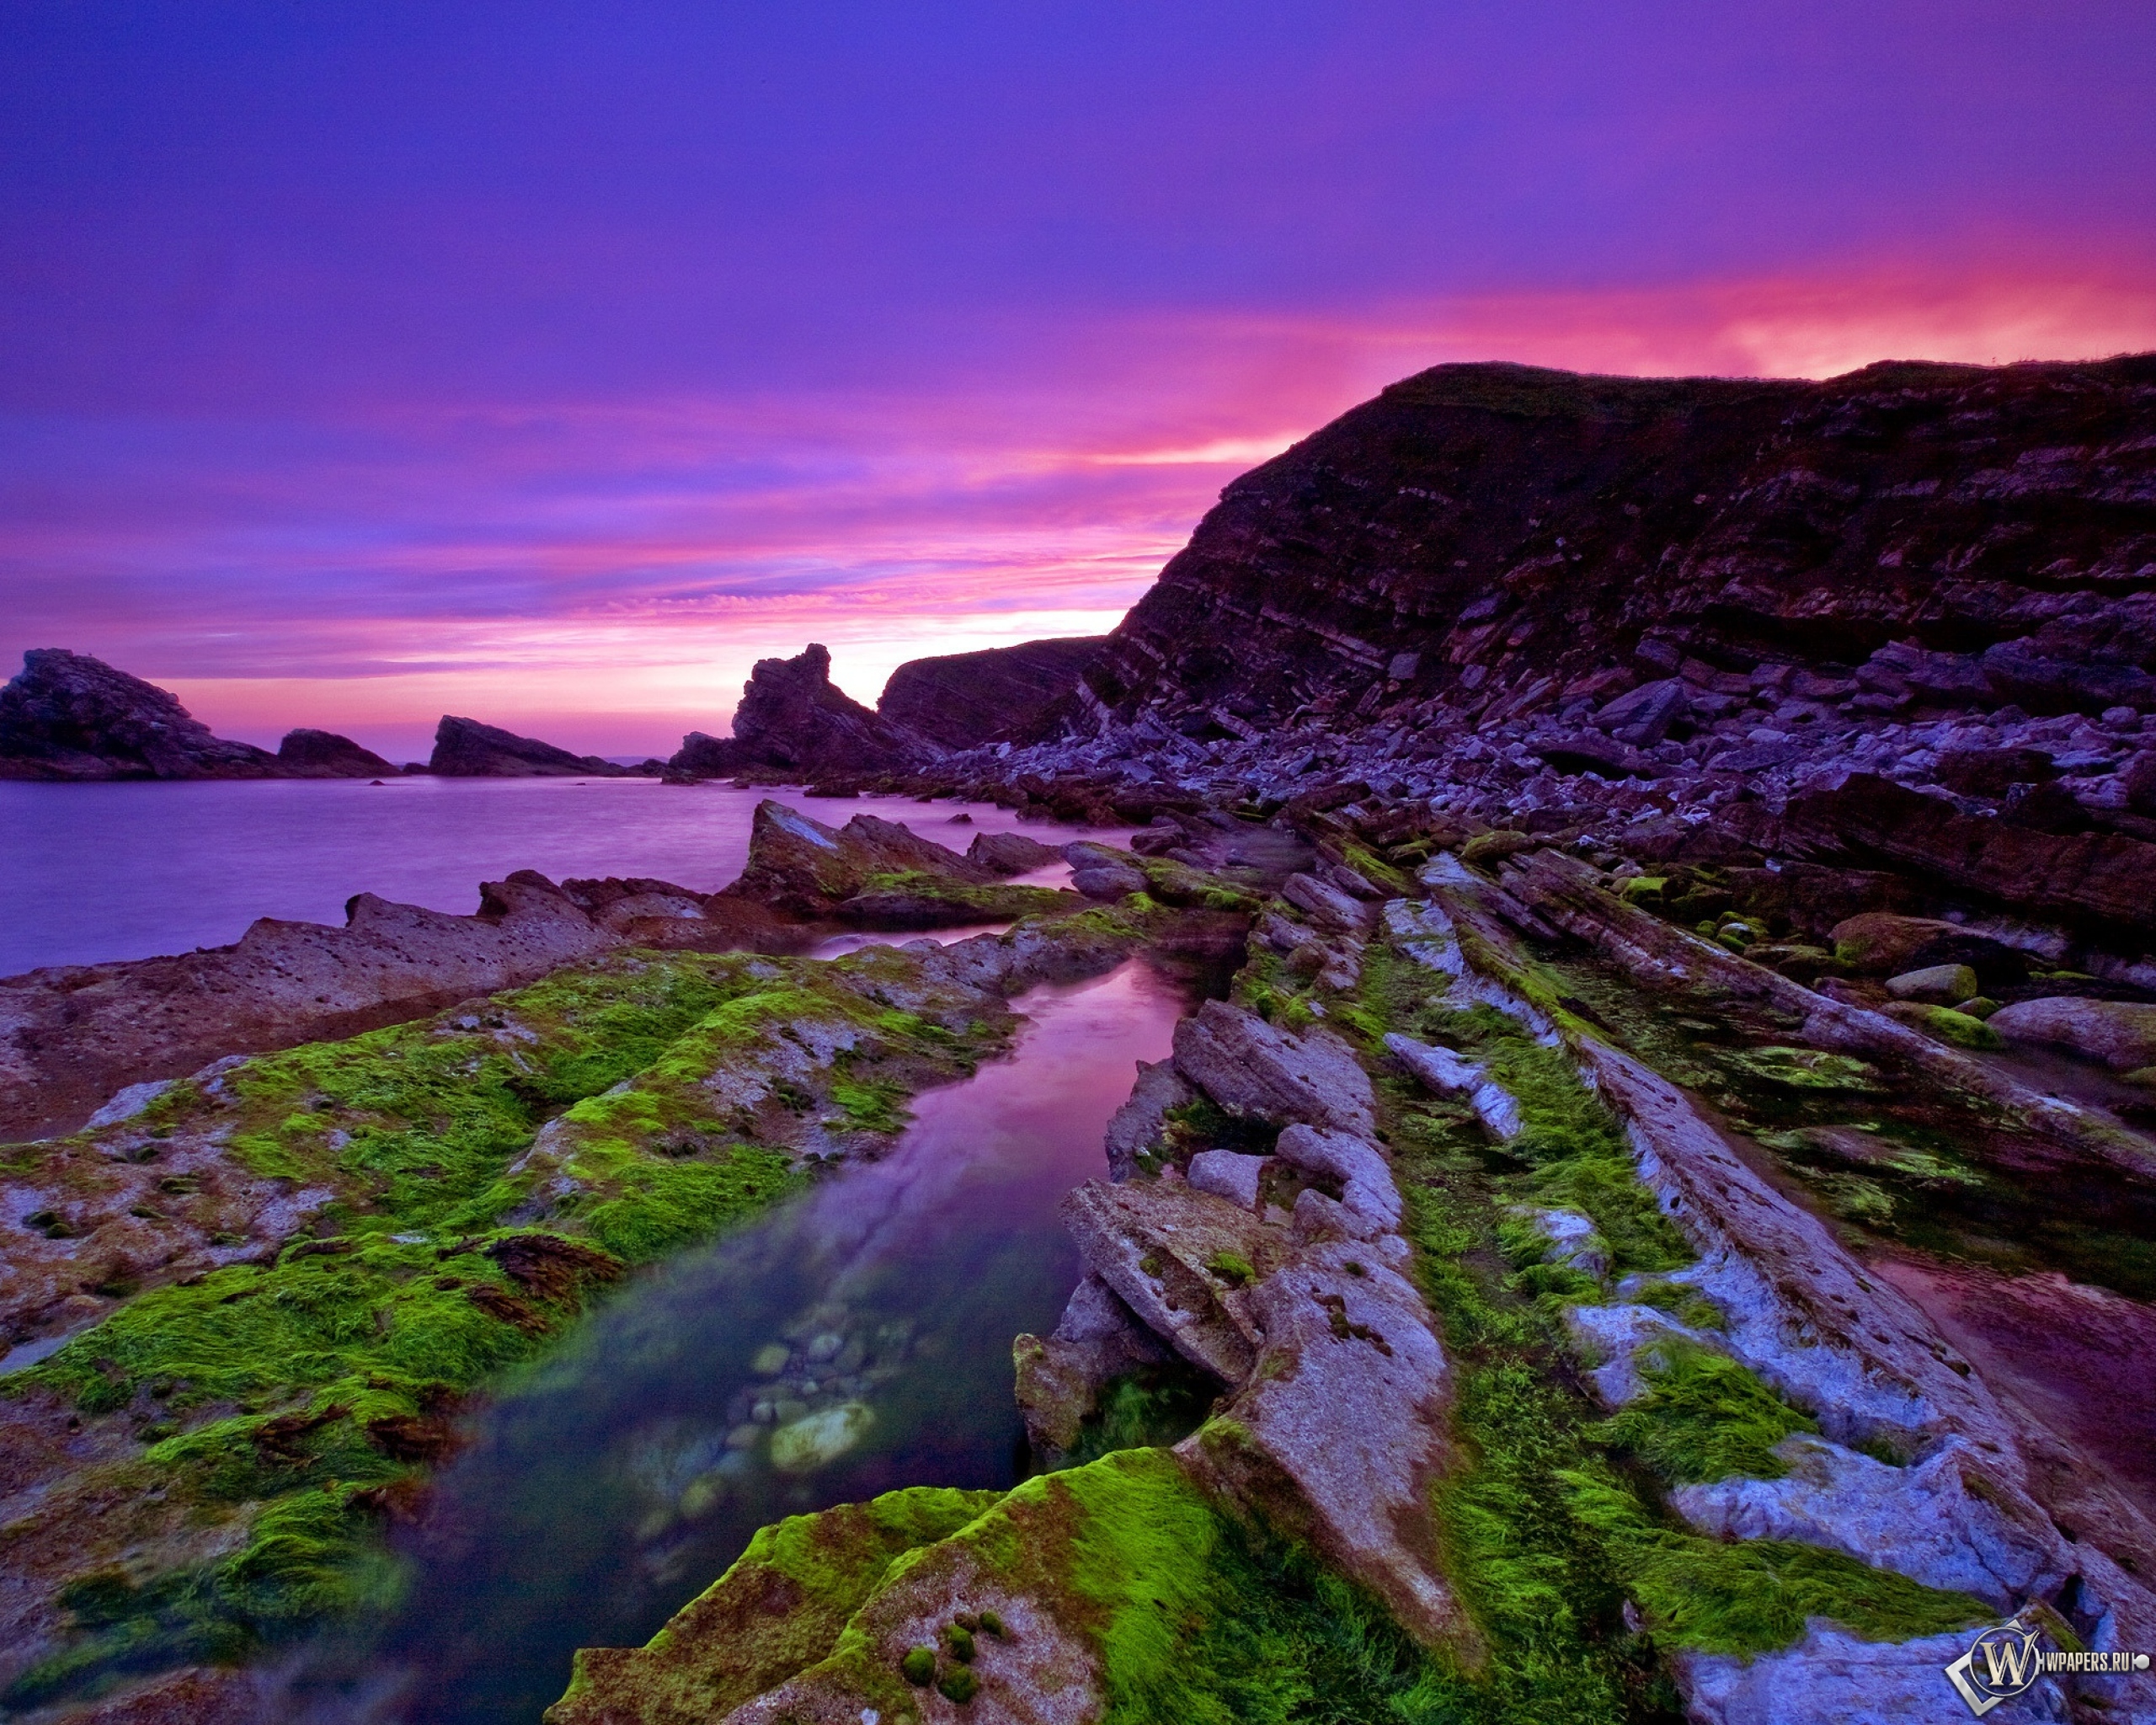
{"x": 970, "y": 700}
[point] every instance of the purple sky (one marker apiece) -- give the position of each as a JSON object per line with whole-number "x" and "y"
{"x": 551, "y": 364}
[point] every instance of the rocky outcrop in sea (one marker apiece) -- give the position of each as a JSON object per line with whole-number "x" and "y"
{"x": 966, "y": 700}
{"x": 794, "y": 724}
{"x": 68, "y": 716}
{"x": 464, "y": 748}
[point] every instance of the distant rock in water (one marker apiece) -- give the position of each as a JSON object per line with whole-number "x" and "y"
{"x": 68, "y": 716}
{"x": 465, "y": 749}
{"x": 313, "y": 754}
{"x": 792, "y": 719}
{"x": 963, "y": 700}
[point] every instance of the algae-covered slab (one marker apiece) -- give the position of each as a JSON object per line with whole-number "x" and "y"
{"x": 779, "y": 1610}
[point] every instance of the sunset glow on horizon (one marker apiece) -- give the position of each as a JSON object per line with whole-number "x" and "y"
{"x": 350, "y": 395}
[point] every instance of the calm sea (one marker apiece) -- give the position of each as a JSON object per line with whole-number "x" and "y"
{"x": 91, "y": 873}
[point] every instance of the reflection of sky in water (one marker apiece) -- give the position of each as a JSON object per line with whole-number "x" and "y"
{"x": 617, "y": 1480}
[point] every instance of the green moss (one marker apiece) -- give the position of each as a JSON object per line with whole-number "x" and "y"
{"x": 1753, "y": 1596}
{"x": 1803, "y": 1068}
{"x": 874, "y": 1107}
{"x": 958, "y": 1685}
{"x": 1705, "y": 1418}
{"x": 1232, "y": 1268}
{"x": 1963, "y": 1029}
{"x": 918, "y": 1667}
{"x": 662, "y": 1206}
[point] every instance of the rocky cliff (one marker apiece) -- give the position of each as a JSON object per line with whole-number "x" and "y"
{"x": 464, "y": 748}
{"x": 963, "y": 700}
{"x": 1505, "y": 537}
{"x": 68, "y": 716}
{"x": 794, "y": 722}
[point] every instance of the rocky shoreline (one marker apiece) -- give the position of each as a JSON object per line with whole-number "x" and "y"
{"x": 1652, "y": 1220}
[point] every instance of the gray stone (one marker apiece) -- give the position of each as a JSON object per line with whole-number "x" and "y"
{"x": 1338, "y": 1433}
{"x": 1947, "y": 1521}
{"x": 1136, "y": 1127}
{"x": 1229, "y": 1174}
{"x": 1835, "y": 1678}
{"x": 1157, "y": 1243}
{"x": 1365, "y": 1178}
{"x": 1253, "y": 1069}
{"x": 1936, "y": 985}
{"x": 1104, "y": 883}
{"x": 1445, "y": 1073}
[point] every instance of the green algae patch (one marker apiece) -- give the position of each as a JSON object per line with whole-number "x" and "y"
{"x": 1703, "y": 1417}
{"x": 778, "y": 1611}
{"x": 663, "y": 1206}
{"x": 1753, "y": 1596}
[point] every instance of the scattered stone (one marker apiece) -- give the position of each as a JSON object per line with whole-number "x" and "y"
{"x": 2121, "y": 1034}
{"x": 1936, "y": 985}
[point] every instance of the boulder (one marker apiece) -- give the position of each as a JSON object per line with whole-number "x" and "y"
{"x": 793, "y": 720}
{"x": 2024, "y": 673}
{"x": 1103, "y": 872}
{"x": 68, "y": 716}
{"x": 1010, "y": 853}
{"x": 1989, "y": 773}
{"x": 311, "y": 754}
{"x": 1338, "y": 1434}
{"x": 1834, "y": 1675}
{"x": 2121, "y": 1034}
{"x": 1252, "y": 1068}
{"x": 1592, "y": 751}
{"x": 1643, "y": 716}
{"x": 1180, "y": 1260}
{"x": 1327, "y": 905}
{"x": 1229, "y": 1174}
{"x": 1885, "y": 943}
{"x": 1356, "y": 1165}
{"x": 464, "y": 748}
{"x": 801, "y": 867}
{"x": 1935, "y": 985}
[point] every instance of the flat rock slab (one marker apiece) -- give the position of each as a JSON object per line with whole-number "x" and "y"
{"x": 1175, "y": 1257}
{"x": 1252, "y": 1069}
{"x": 1338, "y": 1432}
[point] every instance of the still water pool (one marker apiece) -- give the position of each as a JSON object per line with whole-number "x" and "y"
{"x": 855, "y": 1340}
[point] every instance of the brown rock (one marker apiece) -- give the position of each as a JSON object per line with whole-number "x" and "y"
{"x": 68, "y": 716}
{"x": 311, "y": 754}
{"x": 464, "y": 748}
{"x": 2119, "y": 1033}
{"x": 964, "y": 700}
{"x": 793, "y": 720}
{"x": 2089, "y": 878}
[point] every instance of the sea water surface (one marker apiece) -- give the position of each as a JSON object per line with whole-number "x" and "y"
{"x": 100, "y": 872}
{"x": 607, "y": 1488}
